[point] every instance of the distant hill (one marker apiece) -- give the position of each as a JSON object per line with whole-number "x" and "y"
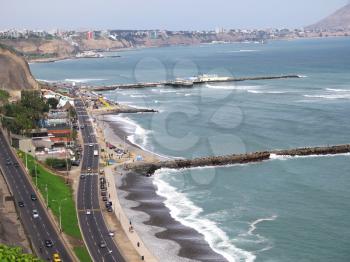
{"x": 340, "y": 20}
{"x": 15, "y": 74}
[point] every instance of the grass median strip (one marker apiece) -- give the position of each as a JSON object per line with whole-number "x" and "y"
{"x": 59, "y": 193}
{"x": 82, "y": 254}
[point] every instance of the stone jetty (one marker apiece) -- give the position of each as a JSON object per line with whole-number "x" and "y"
{"x": 150, "y": 168}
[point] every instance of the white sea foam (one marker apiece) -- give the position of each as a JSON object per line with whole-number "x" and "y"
{"x": 234, "y": 87}
{"x": 337, "y": 90}
{"x": 186, "y": 212}
{"x": 167, "y": 91}
{"x": 266, "y": 92}
{"x": 330, "y": 96}
{"x": 188, "y": 94}
{"x": 138, "y": 96}
{"x": 243, "y": 51}
{"x": 83, "y": 80}
{"x": 253, "y": 225}
{"x": 302, "y": 76}
{"x": 284, "y": 157}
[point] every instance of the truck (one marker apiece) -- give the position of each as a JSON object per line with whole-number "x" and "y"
{"x": 95, "y": 152}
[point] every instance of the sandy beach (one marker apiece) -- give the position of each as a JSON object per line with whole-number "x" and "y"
{"x": 166, "y": 238}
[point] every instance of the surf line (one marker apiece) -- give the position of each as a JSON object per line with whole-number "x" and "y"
{"x": 148, "y": 168}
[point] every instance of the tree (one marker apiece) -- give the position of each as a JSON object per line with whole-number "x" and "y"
{"x": 14, "y": 254}
{"x": 52, "y": 102}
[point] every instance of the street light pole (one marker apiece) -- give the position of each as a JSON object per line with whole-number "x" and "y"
{"x": 60, "y": 212}
{"x": 47, "y": 196}
{"x": 26, "y": 153}
{"x": 36, "y": 173}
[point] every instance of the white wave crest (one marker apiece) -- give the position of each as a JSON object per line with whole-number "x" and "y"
{"x": 337, "y": 90}
{"x": 242, "y": 88}
{"x": 243, "y": 51}
{"x": 83, "y": 80}
{"x": 254, "y": 224}
{"x": 329, "y": 96}
{"x": 187, "y": 213}
{"x": 284, "y": 157}
{"x": 138, "y": 96}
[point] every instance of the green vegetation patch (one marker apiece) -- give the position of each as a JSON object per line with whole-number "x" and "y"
{"x": 82, "y": 254}
{"x": 14, "y": 254}
{"x": 25, "y": 114}
{"x": 4, "y": 95}
{"x": 58, "y": 192}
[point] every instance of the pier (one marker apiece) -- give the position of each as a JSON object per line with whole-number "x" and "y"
{"x": 150, "y": 168}
{"x": 203, "y": 79}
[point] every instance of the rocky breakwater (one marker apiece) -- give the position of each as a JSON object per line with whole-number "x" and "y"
{"x": 149, "y": 168}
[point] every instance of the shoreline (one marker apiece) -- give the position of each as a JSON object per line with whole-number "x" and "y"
{"x": 151, "y": 218}
{"x": 56, "y": 59}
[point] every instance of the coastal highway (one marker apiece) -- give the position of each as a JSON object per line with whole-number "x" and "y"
{"x": 93, "y": 226}
{"x": 38, "y": 229}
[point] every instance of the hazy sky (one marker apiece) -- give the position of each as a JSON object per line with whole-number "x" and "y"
{"x": 163, "y": 14}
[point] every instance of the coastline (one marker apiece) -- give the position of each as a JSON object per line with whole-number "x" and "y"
{"x": 56, "y": 59}
{"x": 146, "y": 209}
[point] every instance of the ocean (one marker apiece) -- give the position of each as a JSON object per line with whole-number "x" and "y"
{"x": 285, "y": 209}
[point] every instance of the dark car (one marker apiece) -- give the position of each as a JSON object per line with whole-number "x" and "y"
{"x": 48, "y": 243}
{"x": 108, "y": 204}
{"x": 82, "y": 176}
{"x": 16, "y": 164}
{"x": 33, "y": 197}
{"x": 20, "y": 203}
{"x": 8, "y": 163}
{"x": 104, "y": 198}
{"x": 103, "y": 193}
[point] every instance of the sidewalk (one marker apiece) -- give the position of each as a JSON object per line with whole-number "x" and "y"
{"x": 124, "y": 221}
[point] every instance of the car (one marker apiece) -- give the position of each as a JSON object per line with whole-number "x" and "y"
{"x": 48, "y": 243}
{"x": 88, "y": 212}
{"x": 33, "y": 197}
{"x": 109, "y": 209}
{"x": 20, "y": 203}
{"x": 103, "y": 193}
{"x": 89, "y": 169}
{"x": 15, "y": 164}
{"x": 91, "y": 145}
{"x": 111, "y": 233}
{"x": 108, "y": 204}
{"x": 56, "y": 257}
{"x": 82, "y": 176}
{"x": 104, "y": 198}
{"x": 102, "y": 244}
{"x": 81, "y": 127}
{"x": 35, "y": 213}
{"x": 8, "y": 163}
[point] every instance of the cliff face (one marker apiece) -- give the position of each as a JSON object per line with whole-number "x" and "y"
{"x": 338, "y": 20}
{"x": 15, "y": 74}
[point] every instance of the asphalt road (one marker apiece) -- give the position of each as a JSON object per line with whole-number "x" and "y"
{"x": 93, "y": 226}
{"x": 39, "y": 229}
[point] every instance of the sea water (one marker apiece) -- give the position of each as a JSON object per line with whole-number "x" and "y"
{"x": 285, "y": 209}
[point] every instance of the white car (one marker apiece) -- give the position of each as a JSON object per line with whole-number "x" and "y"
{"x": 88, "y": 211}
{"x": 91, "y": 145}
{"x": 111, "y": 233}
{"x": 35, "y": 213}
